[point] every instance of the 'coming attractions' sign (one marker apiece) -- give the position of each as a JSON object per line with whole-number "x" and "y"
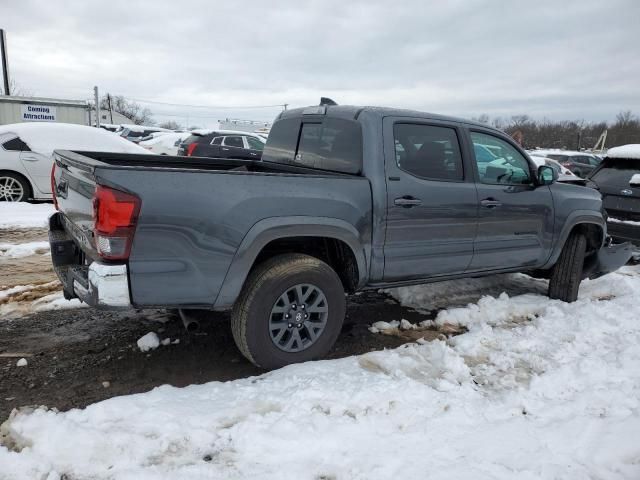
{"x": 38, "y": 113}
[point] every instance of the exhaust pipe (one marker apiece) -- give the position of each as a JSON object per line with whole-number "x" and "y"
{"x": 191, "y": 325}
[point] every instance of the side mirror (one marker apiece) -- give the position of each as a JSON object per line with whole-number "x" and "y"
{"x": 635, "y": 180}
{"x": 546, "y": 175}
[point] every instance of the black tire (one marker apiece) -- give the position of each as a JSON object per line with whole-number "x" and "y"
{"x": 566, "y": 274}
{"x": 252, "y": 312}
{"x": 24, "y": 184}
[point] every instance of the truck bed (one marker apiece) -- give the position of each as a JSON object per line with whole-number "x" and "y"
{"x": 88, "y": 161}
{"x": 200, "y": 216}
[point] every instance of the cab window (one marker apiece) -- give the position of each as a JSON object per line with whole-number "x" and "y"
{"x": 509, "y": 167}
{"x": 428, "y": 151}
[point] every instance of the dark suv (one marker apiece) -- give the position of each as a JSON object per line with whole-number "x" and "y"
{"x": 618, "y": 179}
{"x": 222, "y": 144}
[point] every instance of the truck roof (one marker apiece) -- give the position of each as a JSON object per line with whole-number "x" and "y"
{"x": 353, "y": 111}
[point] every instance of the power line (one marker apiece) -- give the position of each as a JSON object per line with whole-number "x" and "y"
{"x": 214, "y": 107}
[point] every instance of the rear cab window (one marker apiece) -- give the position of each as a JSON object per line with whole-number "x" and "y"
{"x": 319, "y": 142}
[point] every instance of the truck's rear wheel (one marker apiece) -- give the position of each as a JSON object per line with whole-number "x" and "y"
{"x": 566, "y": 274}
{"x": 290, "y": 310}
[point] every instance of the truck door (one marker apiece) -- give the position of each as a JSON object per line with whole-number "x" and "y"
{"x": 432, "y": 203}
{"x": 515, "y": 222}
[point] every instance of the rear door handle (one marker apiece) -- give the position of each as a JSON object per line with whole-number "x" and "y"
{"x": 225, "y": 149}
{"x": 490, "y": 203}
{"x": 407, "y": 201}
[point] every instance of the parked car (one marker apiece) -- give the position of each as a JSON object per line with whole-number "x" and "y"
{"x": 564, "y": 174}
{"x": 618, "y": 180}
{"x": 580, "y": 163}
{"x": 344, "y": 199}
{"x": 223, "y": 144}
{"x": 164, "y": 143}
{"x": 26, "y": 151}
{"x": 135, "y": 133}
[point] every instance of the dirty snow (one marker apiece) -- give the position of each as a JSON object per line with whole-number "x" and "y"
{"x": 627, "y": 222}
{"x": 24, "y": 215}
{"x": 147, "y": 342}
{"x": 536, "y": 388}
{"x": 16, "y": 307}
{"x": 19, "y": 250}
{"x": 625, "y": 151}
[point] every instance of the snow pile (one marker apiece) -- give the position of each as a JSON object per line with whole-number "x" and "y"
{"x": 22, "y": 362}
{"x": 24, "y": 215}
{"x": 44, "y": 138}
{"x": 12, "y": 250}
{"x": 147, "y": 342}
{"x": 635, "y": 179}
{"x": 536, "y": 388}
{"x": 625, "y": 151}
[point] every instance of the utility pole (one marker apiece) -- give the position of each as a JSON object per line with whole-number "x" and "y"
{"x": 5, "y": 62}
{"x": 285, "y": 105}
{"x": 95, "y": 91}
{"x": 110, "y": 107}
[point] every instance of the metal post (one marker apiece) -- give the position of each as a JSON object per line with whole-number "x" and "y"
{"x": 95, "y": 91}
{"x": 110, "y": 107}
{"x": 5, "y": 62}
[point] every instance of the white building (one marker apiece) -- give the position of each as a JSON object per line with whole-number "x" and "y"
{"x": 251, "y": 126}
{"x": 38, "y": 109}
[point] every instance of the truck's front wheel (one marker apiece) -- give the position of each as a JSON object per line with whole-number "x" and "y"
{"x": 566, "y": 274}
{"x": 290, "y": 310}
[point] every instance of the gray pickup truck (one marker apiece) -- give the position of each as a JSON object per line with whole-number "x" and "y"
{"x": 345, "y": 199}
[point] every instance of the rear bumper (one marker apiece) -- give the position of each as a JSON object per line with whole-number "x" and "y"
{"x": 608, "y": 259}
{"x": 96, "y": 284}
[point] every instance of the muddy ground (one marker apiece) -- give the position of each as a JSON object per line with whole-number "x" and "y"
{"x": 70, "y": 353}
{"x": 80, "y": 356}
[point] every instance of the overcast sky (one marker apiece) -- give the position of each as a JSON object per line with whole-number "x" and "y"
{"x": 553, "y": 59}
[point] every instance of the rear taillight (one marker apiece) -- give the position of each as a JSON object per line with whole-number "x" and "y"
{"x": 115, "y": 214}
{"x": 53, "y": 185}
{"x": 191, "y": 148}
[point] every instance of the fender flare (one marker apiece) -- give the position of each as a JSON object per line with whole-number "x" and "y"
{"x": 577, "y": 217}
{"x": 274, "y": 228}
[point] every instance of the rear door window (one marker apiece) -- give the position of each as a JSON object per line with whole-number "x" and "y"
{"x": 233, "y": 142}
{"x": 254, "y": 143}
{"x": 217, "y": 141}
{"x": 428, "y": 151}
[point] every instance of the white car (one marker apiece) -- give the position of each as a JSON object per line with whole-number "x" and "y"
{"x": 165, "y": 143}
{"x": 26, "y": 154}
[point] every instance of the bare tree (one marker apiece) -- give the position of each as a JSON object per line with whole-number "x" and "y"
{"x": 132, "y": 110}
{"x": 16, "y": 90}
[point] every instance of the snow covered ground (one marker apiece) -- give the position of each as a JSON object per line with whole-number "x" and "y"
{"x": 24, "y": 215}
{"x": 536, "y": 388}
